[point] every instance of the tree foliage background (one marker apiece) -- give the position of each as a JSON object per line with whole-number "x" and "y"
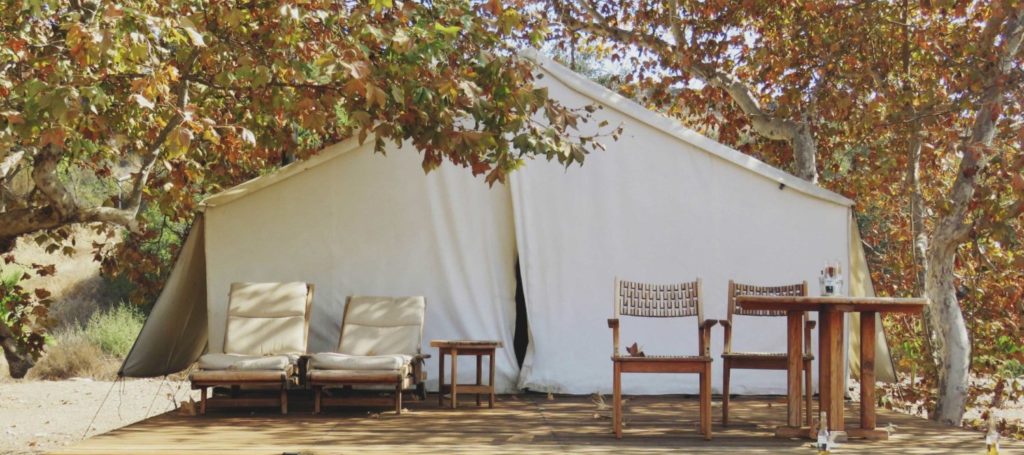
{"x": 162, "y": 102}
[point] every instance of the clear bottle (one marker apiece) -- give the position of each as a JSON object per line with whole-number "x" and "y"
{"x": 992, "y": 437}
{"x": 824, "y": 445}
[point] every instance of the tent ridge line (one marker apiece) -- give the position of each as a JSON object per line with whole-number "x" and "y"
{"x": 677, "y": 130}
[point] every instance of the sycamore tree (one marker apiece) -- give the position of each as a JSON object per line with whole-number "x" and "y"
{"x": 197, "y": 95}
{"x": 919, "y": 97}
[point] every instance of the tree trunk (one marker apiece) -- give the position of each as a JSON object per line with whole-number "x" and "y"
{"x": 18, "y": 361}
{"x": 949, "y": 338}
{"x": 805, "y": 151}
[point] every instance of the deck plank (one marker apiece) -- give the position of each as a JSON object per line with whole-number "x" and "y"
{"x": 517, "y": 424}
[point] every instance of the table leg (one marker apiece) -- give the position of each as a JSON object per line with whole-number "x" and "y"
{"x": 479, "y": 374}
{"x": 440, "y": 377}
{"x": 490, "y": 372}
{"x": 455, "y": 377}
{"x": 867, "y": 380}
{"x": 830, "y": 375}
{"x": 867, "y": 370}
{"x": 794, "y": 365}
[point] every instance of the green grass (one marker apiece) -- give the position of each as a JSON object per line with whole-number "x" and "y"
{"x": 114, "y": 330}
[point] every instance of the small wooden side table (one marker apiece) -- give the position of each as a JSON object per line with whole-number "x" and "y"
{"x": 455, "y": 348}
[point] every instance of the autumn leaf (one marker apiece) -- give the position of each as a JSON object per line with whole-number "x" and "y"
{"x": 193, "y": 33}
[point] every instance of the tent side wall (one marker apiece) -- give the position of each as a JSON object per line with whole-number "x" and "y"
{"x": 365, "y": 224}
{"x": 656, "y": 208}
{"x": 174, "y": 335}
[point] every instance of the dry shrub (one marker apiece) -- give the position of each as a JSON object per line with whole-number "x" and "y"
{"x": 74, "y": 355}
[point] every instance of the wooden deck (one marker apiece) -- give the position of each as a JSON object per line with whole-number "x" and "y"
{"x": 519, "y": 424}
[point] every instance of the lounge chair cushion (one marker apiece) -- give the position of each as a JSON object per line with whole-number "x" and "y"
{"x": 266, "y": 319}
{"x": 218, "y": 361}
{"x": 382, "y": 325}
{"x": 334, "y": 361}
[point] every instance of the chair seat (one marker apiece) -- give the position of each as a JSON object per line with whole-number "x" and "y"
{"x": 761, "y": 355}
{"x": 359, "y": 376}
{"x": 336, "y": 361}
{"x": 240, "y": 362}
{"x": 663, "y": 358}
{"x": 207, "y": 377}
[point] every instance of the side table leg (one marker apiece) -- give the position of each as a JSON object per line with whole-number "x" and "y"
{"x": 440, "y": 377}
{"x": 455, "y": 377}
{"x": 479, "y": 374}
{"x": 490, "y": 372}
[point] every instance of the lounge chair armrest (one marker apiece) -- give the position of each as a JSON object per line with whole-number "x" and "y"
{"x": 704, "y": 334}
{"x": 811, "y": 324}
{"x": 708, "y": 323}
{"x": 725, "y": 323}
{"x": 613, "y": 323}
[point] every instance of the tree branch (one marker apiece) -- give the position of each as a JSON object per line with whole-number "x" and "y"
{"x": 63, "y": 208}
{"x": 953, "y": 228}
{"x": 763, "y": 123}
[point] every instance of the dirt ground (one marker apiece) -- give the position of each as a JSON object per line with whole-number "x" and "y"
{"x": 36, "y": 416}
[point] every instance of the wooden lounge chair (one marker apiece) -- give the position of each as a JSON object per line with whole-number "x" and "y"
{"x": 763, "y": 360}
{"x": 381, "y": 339}
{"x": 662, "y": 301}
{"x": 267, "y": 328}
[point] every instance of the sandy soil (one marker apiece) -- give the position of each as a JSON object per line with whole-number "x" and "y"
{"x": 36, "y": 416}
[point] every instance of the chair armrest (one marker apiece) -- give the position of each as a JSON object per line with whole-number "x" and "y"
{"x": 613, "y": 323}
{"x": 704, "y": 332}
{"x": 726, "y": 335}
{"x": 808, "y": 327}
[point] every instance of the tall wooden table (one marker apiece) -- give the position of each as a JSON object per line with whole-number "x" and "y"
{"x": 830, "y": 354}
{"x": 453, "y": 349}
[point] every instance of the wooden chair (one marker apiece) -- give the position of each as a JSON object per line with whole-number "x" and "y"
{"x": 662, "y": 301}
{"x": 762, "y": 360}
{"x": 266, "y": 333}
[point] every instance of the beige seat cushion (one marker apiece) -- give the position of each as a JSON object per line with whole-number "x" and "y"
{"x": 382, "y": 325}
{"x": 266, "y": 319}
{"x": 334, "y": 361}
{"x": 216, "y": 361}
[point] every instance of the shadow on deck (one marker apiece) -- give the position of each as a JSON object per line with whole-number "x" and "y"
{"x": 525, "y": 423}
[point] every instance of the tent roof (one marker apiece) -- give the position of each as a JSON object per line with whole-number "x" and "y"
{"x": 676, "y": 129}
{"x": 591, "y": 90}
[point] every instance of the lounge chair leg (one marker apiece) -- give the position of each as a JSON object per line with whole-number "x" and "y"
{"x": 317, "y": 396}
{"x": 726, "y": 370}
{"x": 421, "y": 391}
{"x": 398, "y": 399}
{"x": 617, "y": 400}
{"x": 284, "y": 399}
{"x": 202, "y": 401}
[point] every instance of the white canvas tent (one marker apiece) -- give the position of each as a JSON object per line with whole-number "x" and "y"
{"x": 662, "y": 204}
